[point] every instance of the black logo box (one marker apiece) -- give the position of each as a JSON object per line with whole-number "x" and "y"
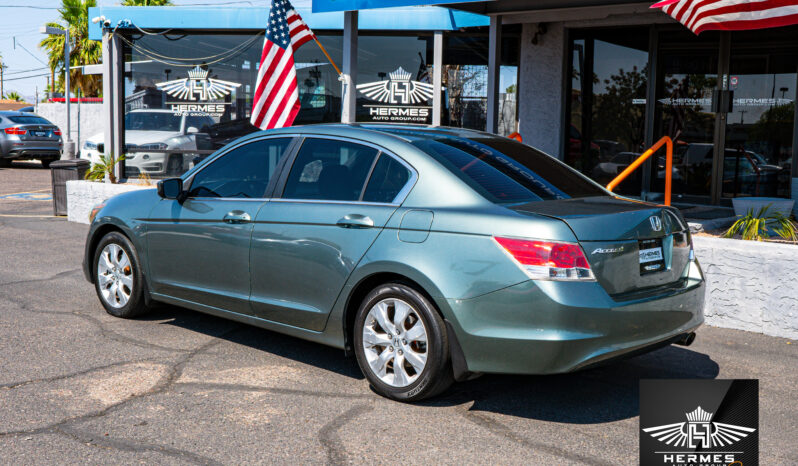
{"x": 667, "y": 401}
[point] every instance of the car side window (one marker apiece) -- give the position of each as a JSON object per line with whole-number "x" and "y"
{"x": 243, "y": 172}
{"x": 331, "y": 170}
{"x": 387, "y": 180}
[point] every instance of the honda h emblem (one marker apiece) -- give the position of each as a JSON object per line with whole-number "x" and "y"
{"x": 656, "y": 223}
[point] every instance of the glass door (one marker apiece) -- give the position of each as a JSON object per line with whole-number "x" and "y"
{"x": 687, "y": 76}
{"x": 759, "y": 129}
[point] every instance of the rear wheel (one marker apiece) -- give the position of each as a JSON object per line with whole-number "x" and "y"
{"x": 401, "y": 344}
{"x": 118, "y": 281}
{"x": 5, "y": 162}
{"x": 46, "y": 162}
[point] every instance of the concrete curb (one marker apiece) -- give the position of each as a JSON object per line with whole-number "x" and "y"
{"x": 750, "y": 285}
{"x": 83, "y": 195}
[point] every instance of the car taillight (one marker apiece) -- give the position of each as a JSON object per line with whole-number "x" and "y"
{"x": 57, "y": 132}
{"x": 15, "y": 131}
{"x": 546, "y": 260}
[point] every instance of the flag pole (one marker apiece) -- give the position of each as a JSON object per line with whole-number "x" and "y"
{"x": 327, "y": 55}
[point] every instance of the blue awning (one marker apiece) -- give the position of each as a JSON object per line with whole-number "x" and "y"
{"x": 349, "y": 5}
{"x": 393, "y": 19}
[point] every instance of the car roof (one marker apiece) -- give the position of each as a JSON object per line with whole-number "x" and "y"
{"x": 407, "y": 133}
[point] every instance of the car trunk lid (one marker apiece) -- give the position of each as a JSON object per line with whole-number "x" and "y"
{"x": 39, "y": 132}
{"x": 630, "y": 245}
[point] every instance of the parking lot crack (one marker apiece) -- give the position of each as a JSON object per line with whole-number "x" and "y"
{"x": 501, "y": 430}
{"x": 13, "y": 385}
{"x": 328, "y": 434}
{"x": 99, "y": 440}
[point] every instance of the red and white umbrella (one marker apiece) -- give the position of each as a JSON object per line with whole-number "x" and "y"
{"x": 731, "y": 15}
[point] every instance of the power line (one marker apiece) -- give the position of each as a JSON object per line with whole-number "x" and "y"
{"x": 27, "y": 77}
{"x": 27, "y": 71}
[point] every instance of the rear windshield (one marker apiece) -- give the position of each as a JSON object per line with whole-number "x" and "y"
{"x": 29, "y": 120}
{"x": 508, "y": 172}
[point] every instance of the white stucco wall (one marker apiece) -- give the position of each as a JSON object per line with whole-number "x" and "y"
{"x": 750, "y": 285}
{"x": 82, "y": 196}
{"x": 540, "y": 87}
{"x": 91, "y": 120}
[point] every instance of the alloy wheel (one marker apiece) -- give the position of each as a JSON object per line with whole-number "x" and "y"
{"x": 115, "y": 275}
{"x": 395, "y": 342}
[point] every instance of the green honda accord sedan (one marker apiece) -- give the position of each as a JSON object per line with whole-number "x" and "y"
{"x": 431, "y": 254}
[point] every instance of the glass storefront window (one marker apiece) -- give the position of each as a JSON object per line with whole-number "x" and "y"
{"x": 607, "y": 104}
{"x": 465, "y": 80}
{"x": 394, "y": 78}
{"x": 759, "y": 129}
{"x": 187, "y": 95}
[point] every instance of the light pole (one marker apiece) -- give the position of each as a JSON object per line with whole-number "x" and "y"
{"x": 69, "y": 149}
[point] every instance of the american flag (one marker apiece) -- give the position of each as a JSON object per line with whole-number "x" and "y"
{"x": 731, "y": 15}
{"x": 276, "y": 97}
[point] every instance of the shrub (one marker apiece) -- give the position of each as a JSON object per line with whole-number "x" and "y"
{"x": 758, "y": 226}
{"x": 105, "y": 167}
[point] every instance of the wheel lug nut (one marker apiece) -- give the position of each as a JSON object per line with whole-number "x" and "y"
{"x": 390, "y": 348}
{"x": 404, "y": 342}
{"x": 400, "y": 352}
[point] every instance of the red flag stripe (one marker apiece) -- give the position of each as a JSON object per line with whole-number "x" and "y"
{"x": 775, "y": 6}
{"x": 276, "y": 98}
{"x": 731, "y": 15}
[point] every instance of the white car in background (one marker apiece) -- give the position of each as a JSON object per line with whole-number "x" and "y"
{"x": 154, "y": 129}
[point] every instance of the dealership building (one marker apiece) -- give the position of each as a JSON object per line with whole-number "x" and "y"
{"x": 591, "y": 82}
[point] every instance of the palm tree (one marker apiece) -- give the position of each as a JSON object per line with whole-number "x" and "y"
{"x": 74, "y": 15}
{"x": 147, "y": 3}
{"x": 13, "y": 95}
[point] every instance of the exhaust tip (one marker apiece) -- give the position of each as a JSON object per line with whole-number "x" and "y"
{"x": 686, "y": 339}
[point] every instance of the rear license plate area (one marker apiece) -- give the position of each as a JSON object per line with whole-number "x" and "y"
{"x": 652, "y": 257}
{"x": 39, "y": 134}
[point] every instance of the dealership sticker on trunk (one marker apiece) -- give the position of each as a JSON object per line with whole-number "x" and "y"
{"x": 651, "y": 257}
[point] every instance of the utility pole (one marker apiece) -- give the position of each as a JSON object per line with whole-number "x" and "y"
{"x": 2, "y": 94}
{"x": 69, "y": 148}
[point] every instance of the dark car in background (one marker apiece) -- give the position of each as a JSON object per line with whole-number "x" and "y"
{"x": 25, "y": 136}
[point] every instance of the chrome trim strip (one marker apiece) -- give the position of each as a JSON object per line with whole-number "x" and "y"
{"x": 322, "y": 201}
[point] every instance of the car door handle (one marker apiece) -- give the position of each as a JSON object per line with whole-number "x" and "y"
{"x": 355, "y": 221}
{"x": 236, "y": 217}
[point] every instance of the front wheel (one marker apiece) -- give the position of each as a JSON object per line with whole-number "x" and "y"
{"x": 401, "y": 344}
{"x": 118, "y": 278}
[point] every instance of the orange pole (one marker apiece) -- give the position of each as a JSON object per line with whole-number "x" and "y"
{"x": 668, "y": 143}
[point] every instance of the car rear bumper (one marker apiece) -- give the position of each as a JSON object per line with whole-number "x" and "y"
{"x": 33, "y": 153}
{"x": 544, "y": 327}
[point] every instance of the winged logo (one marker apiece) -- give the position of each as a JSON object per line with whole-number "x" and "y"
{"x": 698, "y": 431}
{"x": 198, "y": 85}
{"x": 398, "y": 89}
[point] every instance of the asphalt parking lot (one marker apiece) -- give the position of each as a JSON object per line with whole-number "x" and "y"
{"x": 175, "y": 387}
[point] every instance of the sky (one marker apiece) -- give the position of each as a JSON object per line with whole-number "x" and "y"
{"x": 22, "y": 23}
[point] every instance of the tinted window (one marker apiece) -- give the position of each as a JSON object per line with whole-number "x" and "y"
{"x": 387, "y": 179}
{"x": 329, "y": 170}
{"x": 242, "y": 172}
{"x": 199, "y": 122}
{"x": 29, "y": 120}
{"x": 508, "y": 172}
{"x": 152, "y": 121}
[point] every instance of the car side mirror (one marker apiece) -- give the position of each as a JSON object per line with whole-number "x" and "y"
{"x": 192, "y": 130}
{"x": 170, "y": 188}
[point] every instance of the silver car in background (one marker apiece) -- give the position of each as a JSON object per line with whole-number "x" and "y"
{"x": 26, "y": 136}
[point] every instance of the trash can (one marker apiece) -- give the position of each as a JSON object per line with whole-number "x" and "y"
{"x": 63, "y": 171}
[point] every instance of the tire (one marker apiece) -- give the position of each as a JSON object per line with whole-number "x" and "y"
{"x": 127, "y": 299}
{"x": 382, "y": 350}
{"x": 5, "y": 162}
{"x": 46, "y": 162}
